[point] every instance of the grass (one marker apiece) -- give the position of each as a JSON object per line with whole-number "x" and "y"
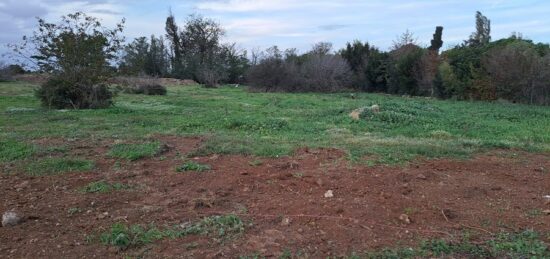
{"x": 11, "y": 150}
{"x": 104, "y": 187}
{"x": 134, "y": 152}
{"x": 123, "y": 236}
{"x": 52, "y": 166}
{"x": 527, "y": 244}
{"x": 235, "y": 121}
{"x": 193, "y": 166}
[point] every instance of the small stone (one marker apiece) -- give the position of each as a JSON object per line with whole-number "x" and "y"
{"x": 319, "y": 182}
{"x": 285, "y": 222}
{"x": 547, "y": 212}
{"x": 405, "y": 219}
{"x": 10, "y": 219}
{"x": 329, "y": 194}
{"x": 421, "y": 177}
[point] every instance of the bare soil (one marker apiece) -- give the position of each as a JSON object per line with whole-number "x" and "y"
{"x": 281, "y": 200}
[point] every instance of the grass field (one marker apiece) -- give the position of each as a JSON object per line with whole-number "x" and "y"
{"x": 235, "y": 121}
{"x": 166, "y": 176}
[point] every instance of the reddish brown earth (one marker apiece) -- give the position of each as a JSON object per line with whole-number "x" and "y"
{"x": 444, "y": 198}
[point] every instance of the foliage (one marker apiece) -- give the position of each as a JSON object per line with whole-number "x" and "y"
{"x": 60, "y": 93}
{"x": 77, "y": 52}
{"x": 199, "y": 54}
{"x": 404, "y": 70}
{"x": 146, "y": 57}
{"x": 368, "y": 65}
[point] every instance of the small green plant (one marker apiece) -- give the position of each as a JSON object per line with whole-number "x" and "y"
{"x": 534, "y": 213}
{"x": 134, "y": 152}
{"x": 104, "y": 187}
{"x": 298, "y": 175}
{"x": 51, "y": 166}
{"x": 123, "y": 236}
{"x": 222, "y": 226}
{"x": 255, "y": 162}
{"x": 73, "y": 210}
{"x": 193, "y": 166}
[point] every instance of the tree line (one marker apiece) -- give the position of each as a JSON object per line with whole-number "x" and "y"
{"x": 81, "y": 55}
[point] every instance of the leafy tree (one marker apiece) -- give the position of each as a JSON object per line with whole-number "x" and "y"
{"x": 145, "y": 57}
{"x": 368, "y": 64}
{"x": 77, "y": 52}
{"x": 482, "y": 35}
{"x": 404, "y": 70}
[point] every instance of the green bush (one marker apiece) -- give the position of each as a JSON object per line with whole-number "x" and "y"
{"x": 60, "y": 93}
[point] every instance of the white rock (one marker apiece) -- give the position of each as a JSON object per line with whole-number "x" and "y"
{"x": 329, "y": 194}
{"x": 10, "y": 219}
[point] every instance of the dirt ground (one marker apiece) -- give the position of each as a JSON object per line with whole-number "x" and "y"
{"x": 281, "y": 200}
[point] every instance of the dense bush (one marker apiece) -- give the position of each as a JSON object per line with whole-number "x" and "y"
{"x": 77, "y": 53}
{"x": 59, "y": 93}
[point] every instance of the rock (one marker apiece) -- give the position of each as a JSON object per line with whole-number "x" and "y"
{"x": 547, "y": 212}
{"x": 10, "y": 219}
{"x": 329, "y": 194}
{"x": 375, "y": 108}
{"x": 421, "y": 177}
{"x": 405, "y": 219}
{"x": 355, "y": 114}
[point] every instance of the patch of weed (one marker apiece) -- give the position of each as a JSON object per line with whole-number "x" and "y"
{"x": 193, "y": 166}
{"x": 134, "y": 152}
{"x": 104, "y": 187}
{"x": 219, "y": 227}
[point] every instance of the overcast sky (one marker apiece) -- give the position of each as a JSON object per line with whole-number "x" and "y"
{"x": 296, "y": 23}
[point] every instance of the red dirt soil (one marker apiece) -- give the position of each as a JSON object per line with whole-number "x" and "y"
{"x": 443, "y": 198}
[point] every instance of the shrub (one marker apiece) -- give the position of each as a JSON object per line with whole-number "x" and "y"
{"x": 59, "y": 93}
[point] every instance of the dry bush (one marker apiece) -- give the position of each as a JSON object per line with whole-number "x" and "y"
{"x": 140, "y": 85}
{"x": 6, "y": 74}
{"x": 518, "y": 73}
{"x": 317, "y": 73}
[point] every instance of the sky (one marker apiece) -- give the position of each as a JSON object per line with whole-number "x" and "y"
{"x": 295, "y": 23}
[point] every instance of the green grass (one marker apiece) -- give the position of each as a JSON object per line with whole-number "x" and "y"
{"x": 235, "y": 121}
{"x": 134, "y": 152}
{"x": 193, "y": 166}
{"x": 52, "y": 166}
{"x": 104, "y": 187}
{"x": 11, "y": 150}
{"x": 123, "y": 236}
